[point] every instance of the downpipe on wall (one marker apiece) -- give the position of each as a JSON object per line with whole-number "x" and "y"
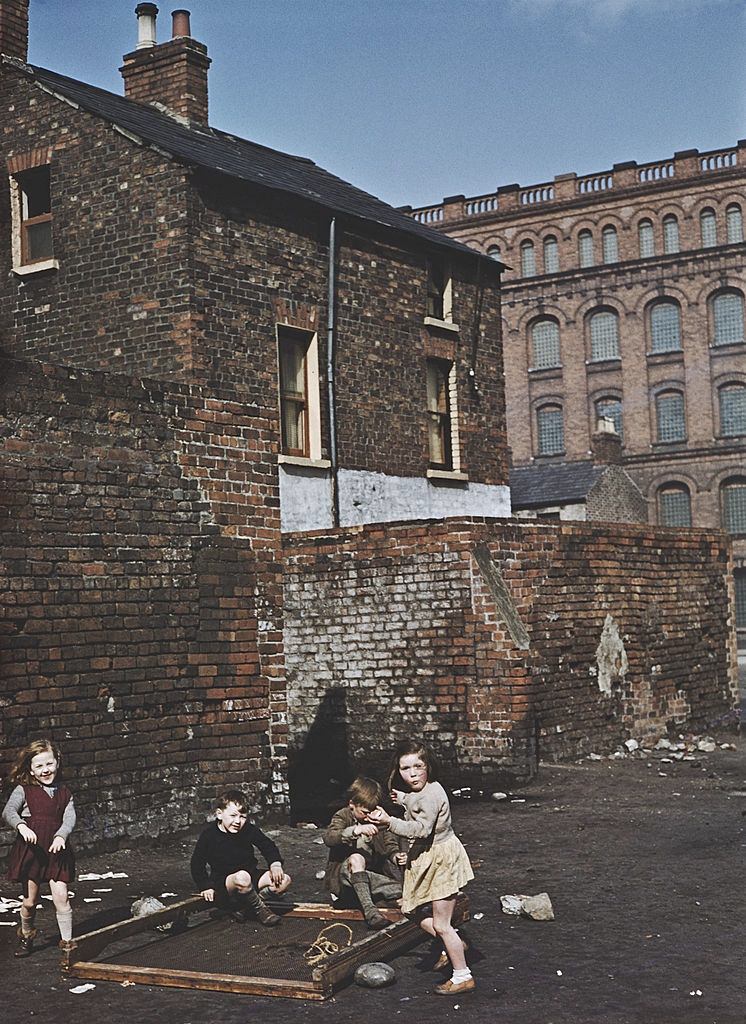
{"x": 330, "y": 333}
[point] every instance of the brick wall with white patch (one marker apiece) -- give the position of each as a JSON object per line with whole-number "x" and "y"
{"x": 500, "y": 643}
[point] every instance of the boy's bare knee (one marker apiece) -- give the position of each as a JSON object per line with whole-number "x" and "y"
{"x": 355, "y": 862}
{"x": 242, "y": 880}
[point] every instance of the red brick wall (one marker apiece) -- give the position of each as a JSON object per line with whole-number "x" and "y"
{"x": 394, "y": 631}
{"x": 185, "y": 276}
{"x": 140, "y": 588}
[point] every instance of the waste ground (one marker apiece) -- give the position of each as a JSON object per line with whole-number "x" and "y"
{"x": 643, "y": 859}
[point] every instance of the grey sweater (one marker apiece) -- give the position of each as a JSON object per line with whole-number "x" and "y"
{"x": 16, "y": 810}
{"x": 427, "y": 813}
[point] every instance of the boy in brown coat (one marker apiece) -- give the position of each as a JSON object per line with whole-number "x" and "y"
{"x": 364, "y": 863}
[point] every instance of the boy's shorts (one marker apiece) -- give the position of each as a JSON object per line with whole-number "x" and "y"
{"x": 382, "y": 887}
{"x": 222, "y": 896}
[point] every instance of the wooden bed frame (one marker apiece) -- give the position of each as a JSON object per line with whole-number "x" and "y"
{"x": 327, "y": 976}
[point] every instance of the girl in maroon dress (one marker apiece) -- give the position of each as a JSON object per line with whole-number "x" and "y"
{"x": 41, "y": 809}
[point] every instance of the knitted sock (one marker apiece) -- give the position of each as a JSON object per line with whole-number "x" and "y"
{"x": 65, "y": 924}
{"x": 27, "y": 921}
{"x": 461, "y": 976}
{"x": 361, "y": 885}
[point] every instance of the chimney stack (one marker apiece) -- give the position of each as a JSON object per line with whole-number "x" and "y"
{"x": 14, "y": 29}
{"x": 606, "y": 444}
{"x": 171, "y": 74}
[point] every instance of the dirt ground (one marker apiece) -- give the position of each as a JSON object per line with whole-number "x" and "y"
{"x": 643, "y": 860}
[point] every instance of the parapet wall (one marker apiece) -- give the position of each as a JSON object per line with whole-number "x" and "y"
{"x": 500, "y": 642}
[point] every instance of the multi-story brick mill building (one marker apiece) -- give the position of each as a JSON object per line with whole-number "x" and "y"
{"x": 625, "y": 300}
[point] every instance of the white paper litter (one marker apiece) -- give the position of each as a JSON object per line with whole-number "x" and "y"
{"x": 320, "y": 874}
{"x": 477, "y": 917}
{"x": 79, "y": 989}
{"x": 8, "y": 906}
{"x": 103, "y": 890}
{"x": 164, "y": 894}
{"x": 92, "y": 899}
{"x": 93, "y": 877}
{"x": 9, "y": 924}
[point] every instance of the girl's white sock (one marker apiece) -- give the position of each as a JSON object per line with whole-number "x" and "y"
{"x": 65, "y": 924}
{"x": 461, "y": 976}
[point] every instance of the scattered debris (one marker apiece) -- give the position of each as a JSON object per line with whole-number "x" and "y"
{"x": 477, "y": 917}
{"x": 126, "y": 984}
{"x": 375, "y": 975}
{"x": 559, "y": 974}
{"x": 146, "y": 905}
{"x": 707, "y": 745}
{"x": 304, "y": 824}
{"x": 501, "y": 796}
{"x": 164, "y": 895}
{"x": 103, "y": 890}
{"x": 538, "y": 908}
{"x": 319, "y": 840}
{"x": 92, "y": 899}
{"x": 8, "y": 906}
{"x": 91, "y": 876}
{"x": 696, "y": 992}
{"x": 631, "y": 745}
{"x": 319, "y": 874}
{"x": 79, "y": 989}
{"x": 595, "y": 757}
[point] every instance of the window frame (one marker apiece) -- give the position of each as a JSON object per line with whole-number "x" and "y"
{"x": 534, "y": 364}
{"x": 723, "y": 389}
{"x": 289, "y": 334}
{"x": 730, "y": 233}
{"x": 445, "y": 419}
{"x": 678, "y": 488}
{"x": 20, "y": 168}
{"x": 586, "y": 254}
{"x": 609, "y": 244}
{"x": 660, "y": 304}
{"x": 645, "y": 224}
{"x": 551, "y": 255}
{"x": 439, "y": 291}
{"x": 716, "y": 326}
{"x": 528, "y": 258}
{"x": 618, "y": 421}
{"x": 731, "y": 484}
{"x": 549, "y": 406}
{"x": 667, "y": 393}
{"x": 595, "y": 316}
{"x": 708, "y": 228}
{"x": 671, "y": 242}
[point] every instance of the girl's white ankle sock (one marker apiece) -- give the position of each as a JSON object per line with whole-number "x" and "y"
{"x": 461, "y": 976}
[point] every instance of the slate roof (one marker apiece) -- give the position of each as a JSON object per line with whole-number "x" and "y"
{"x": 247, "y": 161}
{"x": 556, "y": 483}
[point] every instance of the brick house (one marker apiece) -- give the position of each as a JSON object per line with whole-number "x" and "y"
{"x": 146, "y": 242}
{"x": 625, "y": 299}
{"x": 255, "y": 478}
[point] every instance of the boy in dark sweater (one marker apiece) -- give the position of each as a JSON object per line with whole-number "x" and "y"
{"x": 224, "y": 865}
{"x": 365, "y": 863}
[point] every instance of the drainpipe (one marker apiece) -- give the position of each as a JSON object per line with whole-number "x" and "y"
{"x": 330, "y": 370}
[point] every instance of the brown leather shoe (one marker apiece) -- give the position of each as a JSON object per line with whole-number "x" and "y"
{"x": 449, "y": 989}
{"x": 25, "y": 943}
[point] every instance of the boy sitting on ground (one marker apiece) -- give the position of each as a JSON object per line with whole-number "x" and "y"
{"x": 224, "y": 865}
{"x": 364, "y": 862}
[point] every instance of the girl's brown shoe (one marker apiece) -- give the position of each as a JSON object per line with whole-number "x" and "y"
{"x": 449, "y": 989}
{"x": 25, "y": 943}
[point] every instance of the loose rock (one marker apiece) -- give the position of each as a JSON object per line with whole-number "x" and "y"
{"x": 375, "y": 975}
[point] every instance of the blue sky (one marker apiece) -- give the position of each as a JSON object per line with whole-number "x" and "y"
{"x": 414, "y": 100}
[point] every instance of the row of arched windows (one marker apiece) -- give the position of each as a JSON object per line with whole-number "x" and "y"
{"x": 663, "y": 321}
{"x": 670, "y": 416}
{"x": 674, "y": 503}
{"x": 587, "y": 246}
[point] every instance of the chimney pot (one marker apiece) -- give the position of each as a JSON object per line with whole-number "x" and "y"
{"x": 181, "y": 27}
{"x": 146, "y": 15}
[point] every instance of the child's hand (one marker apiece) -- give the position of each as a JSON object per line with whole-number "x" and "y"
{"x": 379, "y": 817}
{"x": 401, "y": 858}
{"x": 208, "y": 894}
{"x": 26, "y": 833}
{"x": 58, "y": 843}
{"x": 366, "y": 830}
{"x": 276, "y": 873}
{"x": 397, "y": 795}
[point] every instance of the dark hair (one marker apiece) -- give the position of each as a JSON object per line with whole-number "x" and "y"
{"x": 421, "y": 750}
{"x": 20, "y": 773}
{"x": 365, "y": 792}
{"x": 232, "y": 796}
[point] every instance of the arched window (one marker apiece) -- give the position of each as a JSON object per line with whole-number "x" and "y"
{"x": 734, "y": 505}
{"x": 528, "y": 259}
{"x": 708, "y": 228}
{"x": 493, "y": 252}
{"x": 545, "y": 344}
{"x": 646, "y": 238}
{"x": 727, "y": 318}
{"x": 585, "y": 249}
{"x": 609, "y": 244}
{"x": 734, "y": 223}
{"x": 670, "y": 234}
{"x": 551, "y": 255}
{"x": 550, "y": 429}
{"x": 732, "y": 404}
{"x": 669, "y": 415}
{"x": 665, "y": 327}
{"x": 604, "y": 335}
{"x": 674, "y": 505}
{"x": 610, "y": 409}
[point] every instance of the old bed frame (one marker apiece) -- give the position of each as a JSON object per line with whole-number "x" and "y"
{"x": 326, "y": 977}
